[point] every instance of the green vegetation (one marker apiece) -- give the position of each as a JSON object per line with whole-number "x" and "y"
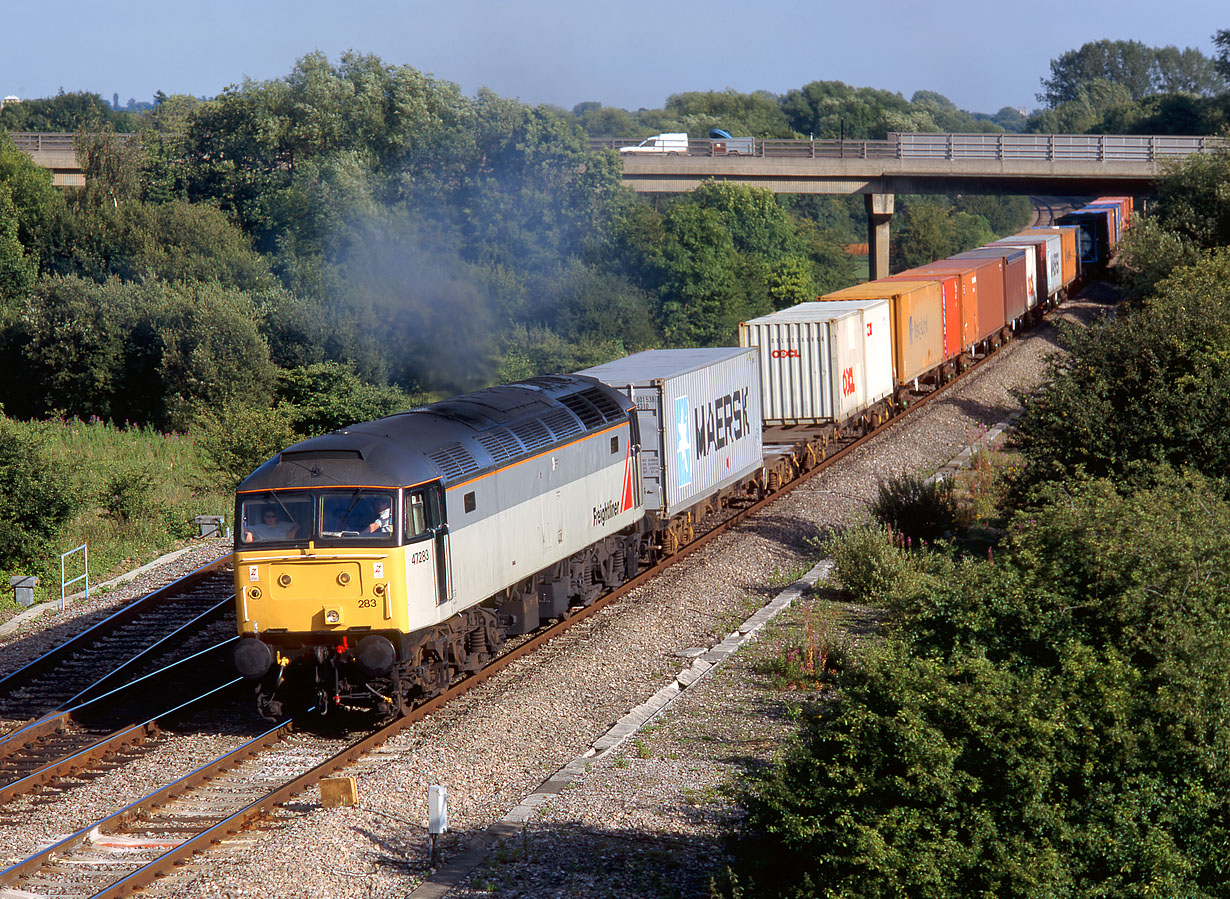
{"x": 129, "y": 494}
{"x": 1049, "y": 718}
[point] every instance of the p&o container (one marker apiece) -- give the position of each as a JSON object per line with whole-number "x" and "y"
{"x": 982, "y": 294}
{"x": 822, "y": 362}
{"x": 698, "y": 411}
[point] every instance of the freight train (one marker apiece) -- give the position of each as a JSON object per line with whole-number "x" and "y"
{"x": 376, "y": 563}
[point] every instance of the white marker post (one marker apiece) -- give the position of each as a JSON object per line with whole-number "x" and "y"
{"x": 437, "y": 815}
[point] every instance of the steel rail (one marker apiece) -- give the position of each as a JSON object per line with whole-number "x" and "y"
{"x": 124, "y": 615}
{"x": 122, "y": 739}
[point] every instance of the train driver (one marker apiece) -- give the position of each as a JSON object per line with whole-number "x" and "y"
{"x": 270, "y": 528}
{"x": 383, "y": 522}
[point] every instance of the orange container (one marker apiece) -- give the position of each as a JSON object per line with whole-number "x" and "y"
{"x": 1017, "y": 287}
{"x": 950, "y": 292}
{"x": 982, "y": 294}
{"x": 916, "y": 319}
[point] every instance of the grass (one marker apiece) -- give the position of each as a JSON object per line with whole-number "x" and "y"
{"x": 784, "y": 577}
{"x": 808, "y": 651}
{"x": 980, "y": 487}
{"x": 138, "y": 492}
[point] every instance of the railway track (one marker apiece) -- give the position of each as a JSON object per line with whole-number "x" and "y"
{"x": 1048, "y": 209}
{"x": 123, "y": 646}
{"x": 158, "y": 656}
{"x": 112, "y": 729}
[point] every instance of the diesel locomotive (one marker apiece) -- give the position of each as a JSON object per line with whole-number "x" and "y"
{"x": 375, "y": 563}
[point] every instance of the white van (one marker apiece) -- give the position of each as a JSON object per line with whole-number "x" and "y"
{"x": 675, "y": 144}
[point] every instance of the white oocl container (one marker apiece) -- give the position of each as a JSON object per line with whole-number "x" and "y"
{"x": 698, "y": 411}
{"x": 822, "y": 362}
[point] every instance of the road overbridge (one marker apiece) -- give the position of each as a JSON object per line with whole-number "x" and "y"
{"x": 913, "y": 163}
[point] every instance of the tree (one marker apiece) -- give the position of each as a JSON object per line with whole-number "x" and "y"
{"x": 327, "y": 396}
{"x": 757, "y": 114}
{"x": 1221, "y": 39}
{"x": 64, "y": 113}
{"x": 826, "y": 108}
{"x": 1139, "y": 69}
{"x": 211, "y": 353}
{"x": 36, "y": 498}
{"x": 65, "y": 351}
{"x": 1084, "y": 111}
{"x": 924, "y": 231}
{"x": 1150, "y": 387}
{"x": 112, "y": 166}
{"x": 17, "y": 269}
{"x": 1193, "y": 200}
{"x": 605, "y": 121}
{"x": 698, "y": 298}
{"x": 174, "y": 241}
{"x": 38, "y": 204}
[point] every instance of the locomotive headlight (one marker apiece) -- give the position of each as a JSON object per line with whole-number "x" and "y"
{"x": 284, "y": 580}
{"x": 378, "y": 589}
{"x": 254, "y": 592}
{"x": 333, "y": 616}
{"x": 343, "y": 578}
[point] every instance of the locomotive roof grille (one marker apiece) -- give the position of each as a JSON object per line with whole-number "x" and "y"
{"x": 533, "y": 435}
{"x": 563, "y": 424}
{"x": 454, "y": 461}
{"x": 589, "y": 414}
{"x": 547, "y": 382}
{"x": 501, "y": 444}
{"x": 462, "y": 411}
{"x": 609, "y": 408}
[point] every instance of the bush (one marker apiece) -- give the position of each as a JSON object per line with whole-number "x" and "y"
{"x": 328, "y": 396}
{"x": 36, "y": 498}
{"x": 1056, "y": 724}
{"x": 128, "y": 494}
{"x": 867, "y": 565}
{"x": 238, "y": 439}
{"x": 917, "y": 508}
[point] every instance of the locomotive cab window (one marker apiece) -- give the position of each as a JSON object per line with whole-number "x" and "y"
{"x": 358, "y": 515}
{"x": 416, "y": 515}
{"x": 270, "y": 518}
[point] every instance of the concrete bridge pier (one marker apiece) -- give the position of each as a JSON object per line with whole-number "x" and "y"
{"x": 879, "y": 214}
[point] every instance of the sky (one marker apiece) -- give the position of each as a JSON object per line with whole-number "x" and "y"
{"x": 982, "y": 55}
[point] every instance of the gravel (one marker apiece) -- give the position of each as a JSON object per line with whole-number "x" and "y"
{"x": 648, "y": 818}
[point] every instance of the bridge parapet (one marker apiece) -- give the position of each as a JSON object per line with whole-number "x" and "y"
{"x": 921, "y": 145}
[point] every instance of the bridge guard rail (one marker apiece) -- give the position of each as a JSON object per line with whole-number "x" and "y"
{"x": 915, "y": 145}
